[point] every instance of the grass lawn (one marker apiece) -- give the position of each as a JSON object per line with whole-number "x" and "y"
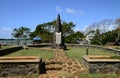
{"x": 4, "y": 47}
{"x": 28, "y": 76}
{"x": 87, "y": 75}
{"x": 44, "y": 54}
{"x": 78, "y": 52}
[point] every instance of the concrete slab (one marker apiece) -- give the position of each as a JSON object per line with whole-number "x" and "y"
{"x": 18, "y": 59}
{"x": 91, "y": 58}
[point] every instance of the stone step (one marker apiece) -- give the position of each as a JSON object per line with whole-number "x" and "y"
{"x": 53, "y": 62}
{"x": 54, "y": 67}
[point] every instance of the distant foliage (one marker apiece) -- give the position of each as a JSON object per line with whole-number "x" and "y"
{"x": 102, "y": 39}
{"x": 45, "y": 31}
{"x": 105, "y": 31}
{"x": 103, "y": 26}
{"x": 72, "y": 38}
{"x": 21, "y": 33}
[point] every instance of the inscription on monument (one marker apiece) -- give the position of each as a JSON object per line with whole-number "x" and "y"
{"x": 58, "y": 38}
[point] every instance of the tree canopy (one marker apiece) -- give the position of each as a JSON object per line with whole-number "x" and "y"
{"x": 21, "y": 33}
{"x": 102, "y": 30}
{"x": 105, "y": 31}
{"x": 72, "y": 38}
{"x": 110, "y": 36}
{"x": 46, "y": 30}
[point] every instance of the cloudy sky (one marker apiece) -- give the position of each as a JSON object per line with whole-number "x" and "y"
{"x": 30, "y": 13}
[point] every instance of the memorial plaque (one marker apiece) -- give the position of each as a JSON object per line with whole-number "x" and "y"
{"x": 58, "y": 38}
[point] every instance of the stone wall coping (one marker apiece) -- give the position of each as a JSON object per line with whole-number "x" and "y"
{"x": 20, "y": 59}
{"x": 95, "y": 46}
{"x": 91, "y": 58}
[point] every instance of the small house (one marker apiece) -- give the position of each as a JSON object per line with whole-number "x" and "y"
{"x": 89, "y": 37}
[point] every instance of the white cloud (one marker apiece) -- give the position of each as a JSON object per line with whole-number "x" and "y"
{"x": 69, "y": 10}
{"x": 58, "y": 9}
{"x": 5, "y": 32}
{"x": 76, "y": 12}
{"x": 81, "y": 12}
{"x": 6, "y": 29}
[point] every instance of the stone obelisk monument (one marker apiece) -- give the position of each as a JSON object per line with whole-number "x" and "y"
{"x": 58, "y": 39}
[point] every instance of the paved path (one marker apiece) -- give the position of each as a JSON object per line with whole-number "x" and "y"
{"x": 61, "y": 66}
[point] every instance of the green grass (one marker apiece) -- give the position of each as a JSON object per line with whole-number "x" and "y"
{"x": 115, "y": 57}
{"x": 87, "y": 75}
{"x": 78, "y": 52}
{"x": 28, "y": 76}
{"x": 4, "y": 47}
{"x": 33, "y": 52}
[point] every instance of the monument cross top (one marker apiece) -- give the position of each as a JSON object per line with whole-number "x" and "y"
{"x": 58, "y": 24}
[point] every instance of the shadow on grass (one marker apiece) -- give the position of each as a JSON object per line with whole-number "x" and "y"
{"x": 67, "y": 49}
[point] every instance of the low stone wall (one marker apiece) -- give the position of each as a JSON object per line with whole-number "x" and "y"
{"x": 105, "y": 66}
{"x": 9, "y": 50}
{"x": 40, "y": 45}
{"x": 98, "y": 47}
{"x": 20, "y": 66}
{"x": 17, "y": 69}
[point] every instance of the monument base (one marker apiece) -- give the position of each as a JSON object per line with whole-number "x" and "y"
{"x": 54, "y": 46}
{"x": 63, "y": 47}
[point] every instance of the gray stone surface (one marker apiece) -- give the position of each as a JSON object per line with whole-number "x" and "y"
{"x": 21, "y": 66}
{"x": 105, "y": 68}
{"x": 18, "y": 69}
{"x": 102, "y": 67}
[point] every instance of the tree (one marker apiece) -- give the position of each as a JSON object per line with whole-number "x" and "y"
{"x": 72, "y": 38}
{"x": 100, "y": 28}
{"x": 117, "y": 23}
{"x": 68, "y": 28}
{"x": 21, "y": 33}
{"x": 45, "y": 30}
{"x": 99, "y": 39}
{"x": 105, "y": 25}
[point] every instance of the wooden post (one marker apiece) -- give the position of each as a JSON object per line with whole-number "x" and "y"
{"x": 0, "y": 45}
{"x": 87, "y": 51}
